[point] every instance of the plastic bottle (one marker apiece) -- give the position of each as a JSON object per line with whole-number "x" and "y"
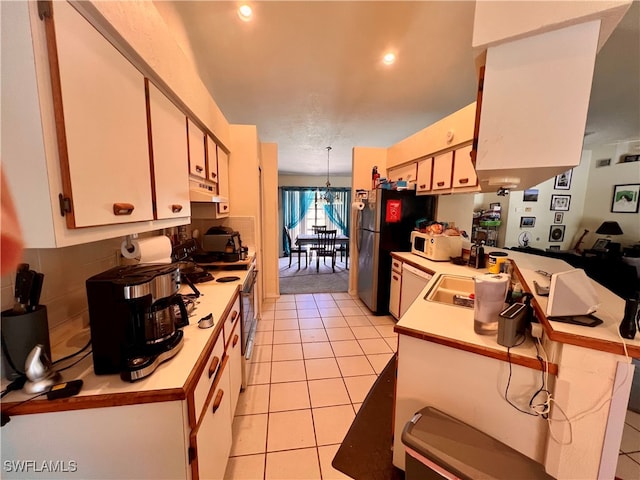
{"x": 374, "y": 178}
{"x": 480, "y": 259}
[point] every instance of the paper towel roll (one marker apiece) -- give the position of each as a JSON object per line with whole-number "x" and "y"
{"x": 357, "y": 205}
{"x": 148, "y": 250}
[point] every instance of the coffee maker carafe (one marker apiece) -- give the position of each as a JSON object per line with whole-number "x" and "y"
{"x": 132, "y": 318}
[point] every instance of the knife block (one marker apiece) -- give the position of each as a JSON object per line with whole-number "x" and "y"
{"x": 21, "y": 332}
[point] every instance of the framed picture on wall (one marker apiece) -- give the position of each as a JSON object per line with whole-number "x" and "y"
{"x": 527, "y": 222}
{"x": 560, "y": 202}
{"x": 556, "y": 233}
{"x": 557, "y": 218}
{"x": 563, "y": 181}
{"x": 530, "y": 195}
{"x": 625, "y": 198}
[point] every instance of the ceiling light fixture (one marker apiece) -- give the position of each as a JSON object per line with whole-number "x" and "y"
{"x": 389, "y": 58}
{"x": 245, "y": 12}
{"x": 328, "y": 196}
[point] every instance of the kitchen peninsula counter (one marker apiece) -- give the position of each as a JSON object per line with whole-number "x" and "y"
{"x": 443, "y": 363}
{"x": 170, "y": 381}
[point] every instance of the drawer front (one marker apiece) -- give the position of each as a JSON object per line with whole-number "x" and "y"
{"x": 396, "y": 265}
{"x": 231, "y": 320}
{"x": 208, "y": 376}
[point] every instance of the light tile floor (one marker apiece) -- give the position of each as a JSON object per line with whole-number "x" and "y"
{"x": 314, "y": 361}
{"x": 315, "y": 358}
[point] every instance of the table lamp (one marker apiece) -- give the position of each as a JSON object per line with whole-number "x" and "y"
{"x": 608, "y": 229}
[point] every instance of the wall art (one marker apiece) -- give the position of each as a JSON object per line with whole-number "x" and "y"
{"x": 563, "y": 181}
{"x": 556, "y": 233}
{"x": 625, "y": 198}
{"x": 527, "y": 222}
{"x": 530, "y": 195}
{"x": 557, "y": 218}
{"x": 560, "y": 202}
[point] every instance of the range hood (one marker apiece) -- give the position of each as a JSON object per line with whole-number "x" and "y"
{"x": 204, "y": 192}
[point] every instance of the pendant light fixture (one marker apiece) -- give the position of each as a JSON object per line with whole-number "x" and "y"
{"x": 328, "y": 196}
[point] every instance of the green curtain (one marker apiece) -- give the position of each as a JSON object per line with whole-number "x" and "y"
{"x": 338, "y": 213}
{"x": 295, "y": 203}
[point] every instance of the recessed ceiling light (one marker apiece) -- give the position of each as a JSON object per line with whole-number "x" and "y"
{"x": 245, "y": 12}
{"x": 389, "y": 58}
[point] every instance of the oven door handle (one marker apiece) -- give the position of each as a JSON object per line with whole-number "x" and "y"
{"x": 248, "y": 285}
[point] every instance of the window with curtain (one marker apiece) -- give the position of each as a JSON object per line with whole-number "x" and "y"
{"x": 304, "y": 207}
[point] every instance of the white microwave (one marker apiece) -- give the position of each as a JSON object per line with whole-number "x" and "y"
{"x": 439, "y": 248}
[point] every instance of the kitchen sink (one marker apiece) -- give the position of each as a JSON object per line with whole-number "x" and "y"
{"x": 452, "y": 290}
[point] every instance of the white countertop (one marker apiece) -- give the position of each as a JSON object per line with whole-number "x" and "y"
{"x": 456, "y": 323}
{"x": 173, "y": 373}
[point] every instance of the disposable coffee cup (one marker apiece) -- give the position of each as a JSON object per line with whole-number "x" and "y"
{"x": 21, "y": 332}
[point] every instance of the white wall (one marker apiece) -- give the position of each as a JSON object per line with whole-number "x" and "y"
{"x": 319, "y": 181}
{"x": 601, "y": 181}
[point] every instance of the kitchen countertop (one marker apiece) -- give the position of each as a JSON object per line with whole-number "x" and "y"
{"x": 169, "y": 381}
{"x": 425, "y": 318}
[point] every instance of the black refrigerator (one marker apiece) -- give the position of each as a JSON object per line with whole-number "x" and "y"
{"x": 384, "y": 226}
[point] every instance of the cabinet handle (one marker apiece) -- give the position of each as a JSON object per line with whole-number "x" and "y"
{"x": 395, "y": 278}
{"x": 213, "y": 175}
{"x": 122, "y": 208}
{"x": 225, "y": 207}
{"x": 217, "y": 401}
{"x": 440, "y": 184}
{"x": 176, "y": 208}
{"x": 199, "y": 169}
{"x": 463, "y": 180}
{"x": 423, "y": 186}
{"x": 235, "y": 340}
{"x": 214, "y": 366}
{"x": 234, "y": 315}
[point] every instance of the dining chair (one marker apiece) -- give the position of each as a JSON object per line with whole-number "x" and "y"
{"x": 315, "y": 229}
{"x": 326, "y": 248}
{"x": 295, "y": 249}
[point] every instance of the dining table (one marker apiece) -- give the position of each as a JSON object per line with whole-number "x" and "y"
{"x": 312, "y": 239}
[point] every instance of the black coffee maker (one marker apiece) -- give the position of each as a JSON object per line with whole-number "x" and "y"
{"x": 132, "y": 314}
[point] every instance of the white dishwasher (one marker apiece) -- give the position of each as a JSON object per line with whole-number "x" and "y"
{"x": 413, "y": 282}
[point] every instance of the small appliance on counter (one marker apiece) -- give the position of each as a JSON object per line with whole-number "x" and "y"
{"x": 222, "y": 243}
{"x": 133, "y": 320}
{"x": 439, "y": 248}
{"x": 490, "y": 296}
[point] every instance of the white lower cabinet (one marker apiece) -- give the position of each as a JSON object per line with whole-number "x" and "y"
{"x": 235, "y": 368}
{"x": 396, "y": 286}
{"x": 211, "y": 439}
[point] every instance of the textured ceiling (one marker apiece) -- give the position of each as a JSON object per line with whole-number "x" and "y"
{"x": 309, "y": 74}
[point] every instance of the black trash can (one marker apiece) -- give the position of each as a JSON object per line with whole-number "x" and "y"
{"x": 439, "y": 446}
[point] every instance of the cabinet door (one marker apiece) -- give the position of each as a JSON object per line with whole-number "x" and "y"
{"x": 442, "y": 168}
{"x": 394, "y": 297}
{"x": 212, "y": 160}
{"x": 425, "y": 170}
{"x": 406, "y": 172}
{"x": 212, "y": 438}
{"x": 102, "y": 129}
{"x": 223, "y": 182}
{"x": 464, "y": 174}
{"x": 197, "y": 161}
{"x": 235, "y": 369}
{"x": 169, "y": 156}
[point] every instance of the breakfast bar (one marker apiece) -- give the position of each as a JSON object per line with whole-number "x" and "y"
{"x": 574, "y": 431}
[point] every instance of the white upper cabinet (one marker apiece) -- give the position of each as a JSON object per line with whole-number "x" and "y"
{"x": 405, "y": 172}
{"x": 197, "y": 159}
{"x": 212, "y": 160}
{"x": 169, "y": 156}
{"x": 442, "y": 168}
{"x": 223, "y": 182}
{"x": 464, "y": 174}
{"x": 101, "y": 125}
{"x": 425, "y": 170}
